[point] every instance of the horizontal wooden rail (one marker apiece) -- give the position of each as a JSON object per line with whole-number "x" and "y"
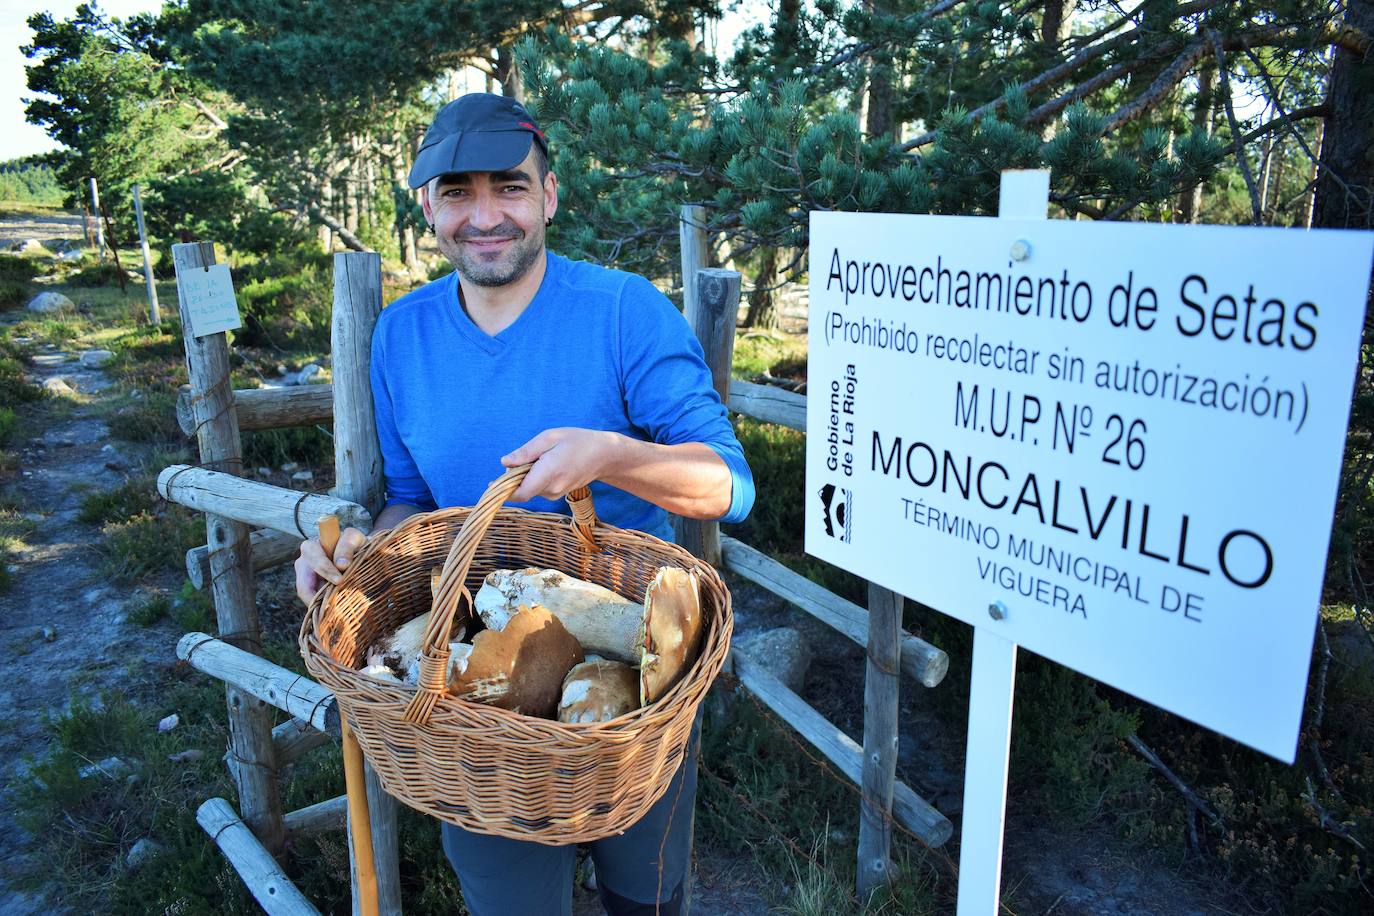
{"x": 920, "y": 659}
{"x": 769, "y": 404}
{"x": 270, "y": 549}
{"x": 291, "y": 740}
{"x": 318, "y": 818}
{"x": 261, "y": 505}
{"x": 260, "y": 872}
{"x": 268, "y": 408}
{"x": 908, "y": 808}
{"x": 288, "y": 691}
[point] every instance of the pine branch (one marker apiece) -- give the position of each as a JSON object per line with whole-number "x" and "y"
{"x": 1287, "y": 119}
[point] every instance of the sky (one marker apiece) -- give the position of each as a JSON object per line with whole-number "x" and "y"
{"x": 17, "y": 136}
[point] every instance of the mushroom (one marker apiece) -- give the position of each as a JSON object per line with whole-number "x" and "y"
{"x": 671, "y": 633}
{"x": 598, "y": 691}
{"x": 520, "y": 667}
{"x": 603, "y": 622}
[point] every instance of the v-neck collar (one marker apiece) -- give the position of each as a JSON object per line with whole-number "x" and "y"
{"x": 497, "y": 343}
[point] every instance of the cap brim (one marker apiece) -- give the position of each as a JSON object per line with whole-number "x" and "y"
{"x": 471, "y": 151}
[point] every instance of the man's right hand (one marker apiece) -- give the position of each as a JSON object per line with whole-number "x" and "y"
{"x": 313, "y": 568}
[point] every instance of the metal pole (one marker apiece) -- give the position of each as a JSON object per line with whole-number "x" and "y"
{"x": 99, "y": 229}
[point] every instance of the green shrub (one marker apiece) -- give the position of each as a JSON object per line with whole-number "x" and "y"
{"x": 151, "y": 419}
{"x": 123, "y": 502}
{"x": 150, "y": 541}
{"x": 101, "y": 274}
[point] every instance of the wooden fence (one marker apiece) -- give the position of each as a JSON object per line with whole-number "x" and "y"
{"x": 253, "y": 526}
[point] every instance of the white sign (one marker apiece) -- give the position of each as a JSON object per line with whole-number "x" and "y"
{"x": 1117, "y": 444}
{"x": 208, "y": 296}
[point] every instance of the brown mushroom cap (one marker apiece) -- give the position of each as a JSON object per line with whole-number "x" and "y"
{"x": 521, "y": 667}
{"x": 673, "y": 625}
{"x": 598, "y": 691}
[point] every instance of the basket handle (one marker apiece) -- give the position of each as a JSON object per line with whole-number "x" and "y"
{"x": 452, "y": 592}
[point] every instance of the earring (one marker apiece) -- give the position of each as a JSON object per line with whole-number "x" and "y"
{"x": 548, "y": 222}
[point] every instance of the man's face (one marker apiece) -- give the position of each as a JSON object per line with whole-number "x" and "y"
{"x": 490, "y": 225}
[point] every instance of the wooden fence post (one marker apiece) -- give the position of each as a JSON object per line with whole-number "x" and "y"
{"x": 154, "y": 315}
{"x": 95, "y": 211}
{"x": 231, "y": 571}
{"x": 695, "y": 253}
{"x": 358, "y": 468}
{"x": 713, "y": 321}
{"x": 880, "y": 739}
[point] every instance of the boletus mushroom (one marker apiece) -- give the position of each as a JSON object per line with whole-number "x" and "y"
{"x": 671, "y": 632}
{"x": 521, "y": 666}
{"x": 598, "y": 691}
{"x": 603, "y": 622}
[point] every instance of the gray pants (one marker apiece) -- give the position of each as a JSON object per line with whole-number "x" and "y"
{"x": 641, "y": 870}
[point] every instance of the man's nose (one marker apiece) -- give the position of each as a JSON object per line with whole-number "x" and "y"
{"x": 486, "y": 211}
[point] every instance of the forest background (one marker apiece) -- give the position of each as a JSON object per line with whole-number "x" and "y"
{"x": 284, "y": 131}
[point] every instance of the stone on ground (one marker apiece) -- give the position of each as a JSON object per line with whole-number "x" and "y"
{"x": 94, "y": 359}
{"x": 782, "y": 652}
{"x": 50, "y": 303}
{"x": 58, "y": 385}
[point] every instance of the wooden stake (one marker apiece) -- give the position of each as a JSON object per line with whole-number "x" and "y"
{"x": 154, "y": 315}
{"x": 360, "y": 826}
{"x": 880, "y": 740}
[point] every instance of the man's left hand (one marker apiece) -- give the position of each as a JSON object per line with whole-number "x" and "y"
{"x": 564, "y": 459}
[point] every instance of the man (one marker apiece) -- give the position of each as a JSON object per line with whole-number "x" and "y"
{"x": 521, "y": 356}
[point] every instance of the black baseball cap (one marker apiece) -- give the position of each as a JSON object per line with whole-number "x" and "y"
{"x": 481, "y": 132}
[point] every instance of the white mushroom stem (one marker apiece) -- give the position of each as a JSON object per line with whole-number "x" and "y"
{"x": 603, "y": 622}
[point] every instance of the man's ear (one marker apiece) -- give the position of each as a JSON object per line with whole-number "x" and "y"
{"x": 424, "y": 205}
{"x": 550, "y": 195}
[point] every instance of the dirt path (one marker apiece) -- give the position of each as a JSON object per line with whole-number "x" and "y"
{"x": 61, "y": 616}
{"x": 52, "y": 229}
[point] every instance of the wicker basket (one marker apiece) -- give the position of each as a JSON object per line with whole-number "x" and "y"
{"x": 480, "y": 767}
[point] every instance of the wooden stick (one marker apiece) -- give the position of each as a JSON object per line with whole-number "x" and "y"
{"x": 329, "y": 533}
{"x": 273, "y": 684}
{"x": 318, "y": 818}
{"x": 360, "y": 826}
{"x": 880, "y": 740}
{"x": 260, "y": 872}
{"x": 154, "y": 316}
{"x": 231, "y": 570}
{"x": 259, "y": 504}
{"x": 769, "y": 403}
{"x": 268, "y": 408}
{"x": 920, "y": 659}
{"x": 269, "y": 549}
{"x": 713, "y": 322}
{"x": 930, "y": 826}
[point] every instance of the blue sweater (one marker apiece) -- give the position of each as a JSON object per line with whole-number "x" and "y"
{"x": 595, "y": 348}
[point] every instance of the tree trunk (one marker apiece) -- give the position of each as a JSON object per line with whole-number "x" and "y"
{"x": 878, "y": 97}
{"x": 763, "y": 300}
{"x": 1344, "y": 189}
{"x": 509, "y": 74}
{"x": 1190, "y": 201}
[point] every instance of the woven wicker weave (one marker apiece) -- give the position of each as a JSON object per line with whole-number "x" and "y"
{"x": 480, "y": 767}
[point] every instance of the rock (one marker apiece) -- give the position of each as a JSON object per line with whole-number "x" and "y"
{"x": 305, "y": 376}
{"x": 169, "y": 723}
{"x": 50, "y": 303}
{"x": 58, "y": 386}
{"x": 264, "y": 472}
{"x": 191, "y": 755}
{"x": 282, "y": 370}
{"x": 143, "y": 852}
{"x": 28, "y": 246}
{"x": 94, "y": 359}
{"x": 782, "y": 652}
{"x": 110, "y": 768}
{"x": 289, "y": 467}
{"x": 303, "y": 476}
{"x": 73, "y": 254}
{"x": 49, "y": 634}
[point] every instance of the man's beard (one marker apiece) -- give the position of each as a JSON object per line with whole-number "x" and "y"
{"x": 520, "y": 255}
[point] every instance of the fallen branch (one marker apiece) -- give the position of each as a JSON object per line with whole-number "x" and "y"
{"x": 1188, "y": 794}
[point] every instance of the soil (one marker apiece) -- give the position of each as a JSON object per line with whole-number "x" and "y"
{"x": 61, "y": 616}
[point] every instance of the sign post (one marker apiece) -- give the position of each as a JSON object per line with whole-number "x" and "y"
{"x": 1116, "y": 444}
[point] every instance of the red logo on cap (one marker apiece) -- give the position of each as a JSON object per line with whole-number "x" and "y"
{"x": 528, "y": 126}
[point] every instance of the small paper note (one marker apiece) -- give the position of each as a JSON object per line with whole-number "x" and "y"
{"x": 208, "y": 294}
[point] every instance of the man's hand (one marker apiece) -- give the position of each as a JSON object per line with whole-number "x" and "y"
{"x": 312, "y": 566}
{"x": 564, "y": 459}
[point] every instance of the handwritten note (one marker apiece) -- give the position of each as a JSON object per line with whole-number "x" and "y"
{"x": 208, "y": 295}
